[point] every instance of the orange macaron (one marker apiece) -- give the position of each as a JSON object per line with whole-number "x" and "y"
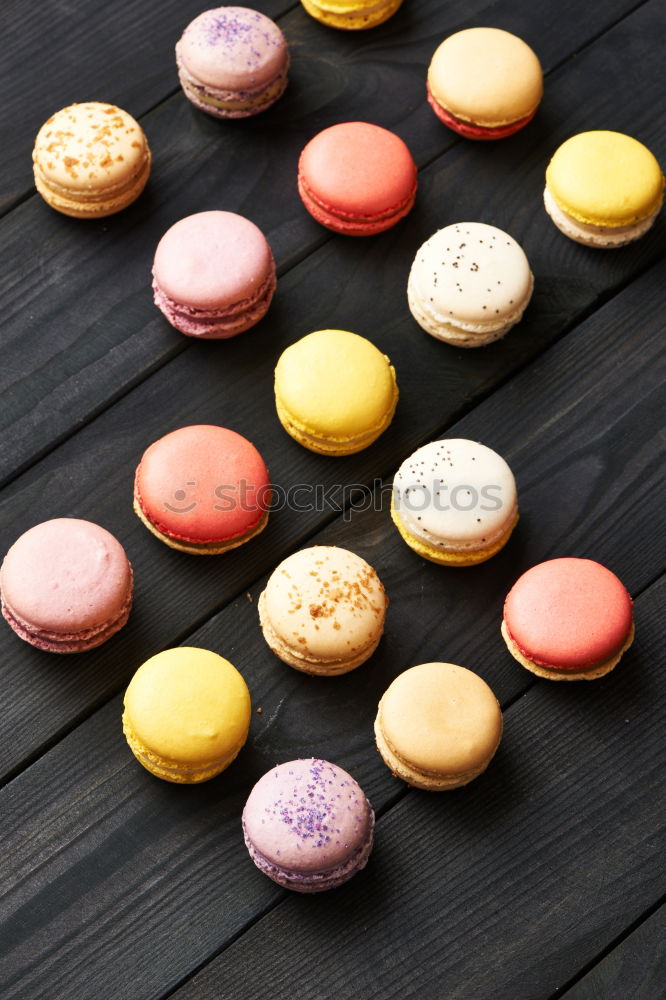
{"x": 357, "y": 179}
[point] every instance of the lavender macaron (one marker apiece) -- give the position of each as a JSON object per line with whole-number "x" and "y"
{"x": 232, "y": 62}
{"x": 308, "y": 825}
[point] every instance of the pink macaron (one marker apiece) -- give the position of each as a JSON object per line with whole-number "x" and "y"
{"x": 568, "y": 619}
{"x": 213, "y": 275}
{"x": 202, "y": 489}
{"x": 232, "y": 62}
{"x": 308, "y": 825}
{"x": 66, "y": 585}
{"x": 357, "y": 179}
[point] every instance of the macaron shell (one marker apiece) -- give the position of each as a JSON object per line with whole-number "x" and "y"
{"x": 486, "y": 76}
{"x": 189, "y": 706}
{"x": 66, "y": 576}
{"x": 358, "y": 170}
{"x": 90, "y": 159}
{"x": 606, "y": 179}
{"x": 551, "y": 674}
{"x": 233, "y": 48}
{"x": 326, "y": 604}
{"x": 471, "y": 275}
{"x": 442, "y": 720}
{"x": 212, "y": 260}
{"x": 470, "y": 131}
{"x": 336, "y": 384}
{"x": 353, "y": 15}
{"x": 568, "y": 614}
{"x": 457, "y": 492}
{"x": 307, "y": 816}
{"x": 203, "y": 484}
{"x": 451, "y": 557}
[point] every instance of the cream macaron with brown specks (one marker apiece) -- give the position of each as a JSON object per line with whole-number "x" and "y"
{"x": 438, "y": 726}
{"x": 90, "y": 160}
{"x": 323, "y": 610}
{"x": 469, "y": 284}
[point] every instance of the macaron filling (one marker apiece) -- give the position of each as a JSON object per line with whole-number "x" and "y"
{"x": 313, "y": 881}
{"x": 469, "y": 129}
{"x": 335, "y": 444}
{"x": 173, "y": 770}
{"x": 581, "y": 665}
{"x": 596, "y": 235}
{"x": 353, "y": 221}
{"x": 223, "y": 321}
{"x": 254, "y": 99}
{"x": 67, "y": 642}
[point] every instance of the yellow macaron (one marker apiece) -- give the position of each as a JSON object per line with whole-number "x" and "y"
{"x": 352, "y": 15}
{"x": 438, "y": 726}
{"x": 187, "y": 714}
{"x": 603, "y": 189}
{"x": 90, "y": 160}
{"x": 335, "y": 392}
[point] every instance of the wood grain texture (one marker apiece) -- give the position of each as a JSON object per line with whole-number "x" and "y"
{"x": 503, "y": 888}
{"x": 116, "y": 886}
{"x": 80, "y": 325}
{"x": 63, "y": 51}
{"x": 636, "y": 968}
{"x": 156, "y": 868}
{"x": 91, "y": 474}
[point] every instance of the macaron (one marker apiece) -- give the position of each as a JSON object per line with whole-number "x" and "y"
{"x": 455, "y": 502}
{"x": 186, "y": 714}
{"x": 484, "y": 83}
{"x": 66, "y": 585}
{"x": 308, "y": 825}
{"x": 603, "y": 189}
{"x": 469, "y": 284}
{"x": 232, "y": 62}
{"x": 357, "y": 179}
{"x": 438, "y": 726}
{"x": 202, "y": 489}
{"x": 323, "y": 610}
{"x": 213, "y": 275}
{"x": 352, "y": 15}
{"x": 335, "y": 392}
{"x": 90, "y": 160}
{"x": 568, "y": 620}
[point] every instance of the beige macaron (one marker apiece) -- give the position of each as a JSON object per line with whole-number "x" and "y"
{"x": 438, "y": 726}
{"x": 90, "y": 160}
{"x": 323, "y": 610}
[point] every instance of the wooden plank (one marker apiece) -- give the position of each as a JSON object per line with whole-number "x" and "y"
{"x": 636, "y": 968}
{"x": 56, "y": 53}
{"x": 160, "y": 872}
{"x": 505, "y": 888}
{"x": 582, "y": 399}
{"x": 81, "y": 328}
{"x": 111, "y": 875}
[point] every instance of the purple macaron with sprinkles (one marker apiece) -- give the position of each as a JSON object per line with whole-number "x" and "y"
{"x": 308, "y": 825}
{"x": 232, "y": 62}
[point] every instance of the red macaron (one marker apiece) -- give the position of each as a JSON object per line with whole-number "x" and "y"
{"x": 202, "y": 489}
{"x": 568, "y": 619}
{"x": 357, "y": 179}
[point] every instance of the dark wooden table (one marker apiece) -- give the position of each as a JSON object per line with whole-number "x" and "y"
{"x": 544, "y": 877}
